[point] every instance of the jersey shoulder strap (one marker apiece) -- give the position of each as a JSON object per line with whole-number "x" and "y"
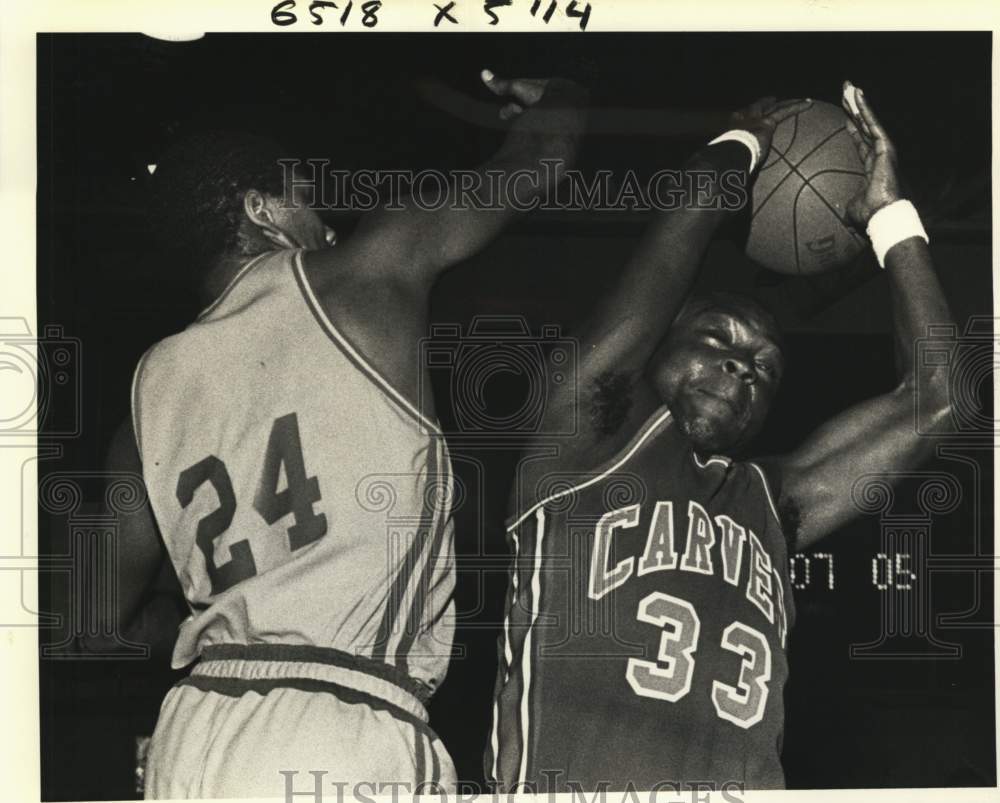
{"x": 559, "y": 488}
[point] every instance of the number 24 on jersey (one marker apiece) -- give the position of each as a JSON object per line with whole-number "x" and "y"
{"x": 284, "y": 448}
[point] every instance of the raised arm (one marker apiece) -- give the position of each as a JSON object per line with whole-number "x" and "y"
{"x": 883, "y": 433}
{"x": 376, "y": 286}
{"x": 619, "y": 337}
{"x": 548, "y": 119}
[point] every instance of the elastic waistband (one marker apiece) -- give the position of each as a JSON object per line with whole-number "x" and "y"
{"x": 236, "y": 668}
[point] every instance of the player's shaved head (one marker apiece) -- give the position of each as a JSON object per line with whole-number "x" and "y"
{"x": 742, "y": 306}
{"x": 718, "y": 369}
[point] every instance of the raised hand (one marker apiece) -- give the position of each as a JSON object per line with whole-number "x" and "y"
{"x": 877, "y": 153}
{"x": 762, "y": 116}
{"x": 524, "y": 92}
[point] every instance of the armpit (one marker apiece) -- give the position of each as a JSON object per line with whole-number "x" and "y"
{"x": 610, "y": 401}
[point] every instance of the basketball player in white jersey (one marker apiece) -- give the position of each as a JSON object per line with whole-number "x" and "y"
{"x": 683, "y": 543}
{"x": 299, "y": 481}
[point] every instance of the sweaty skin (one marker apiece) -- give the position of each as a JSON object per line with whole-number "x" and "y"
{"x": 716, "y": 362}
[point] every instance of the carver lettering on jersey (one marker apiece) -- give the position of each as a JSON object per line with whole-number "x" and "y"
{"x": 649, "y": 605}
{"x": 725, "y": 538}
{"x": 656, "y": 589}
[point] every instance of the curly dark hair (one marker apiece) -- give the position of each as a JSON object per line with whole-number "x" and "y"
{"x": 196, "y": 199}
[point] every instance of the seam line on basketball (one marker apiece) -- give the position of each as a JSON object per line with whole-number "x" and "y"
{"x": 795, "y": 133}
{"x": 793, "y": 168}
{"x": 807, "y": 183}
{"x": 818, "y": 194}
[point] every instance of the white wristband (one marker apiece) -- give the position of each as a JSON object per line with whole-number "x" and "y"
{"x": 748, "y": 139}
{"x": 892, "y": 224}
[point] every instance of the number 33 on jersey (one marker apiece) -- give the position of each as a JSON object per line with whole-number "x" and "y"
{"x": 648, "y": 613}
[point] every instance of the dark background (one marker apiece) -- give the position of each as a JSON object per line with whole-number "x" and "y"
{"x": 107, "y": 105}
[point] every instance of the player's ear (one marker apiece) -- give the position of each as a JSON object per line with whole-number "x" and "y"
{"x": 262, "y": 211}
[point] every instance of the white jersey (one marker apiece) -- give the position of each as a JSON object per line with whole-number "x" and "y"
{"x": 302, "y": 499}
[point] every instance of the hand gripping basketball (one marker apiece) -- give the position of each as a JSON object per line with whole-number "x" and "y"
{"x": 877, "y": 153}
{"x": 800, "y": 223}
{"x": 524, "y": 91}
{"x": 762, "y": 116}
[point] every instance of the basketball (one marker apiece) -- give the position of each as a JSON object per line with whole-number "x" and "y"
{"x": 799, "y": 223}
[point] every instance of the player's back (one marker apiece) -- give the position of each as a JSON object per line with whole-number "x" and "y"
{"x": 303, "y": 501}
{"x": 644, "y": 643}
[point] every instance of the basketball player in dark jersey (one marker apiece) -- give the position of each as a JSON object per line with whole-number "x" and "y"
{"x": 649, "y": 604}
{"x": 320, "y": 626}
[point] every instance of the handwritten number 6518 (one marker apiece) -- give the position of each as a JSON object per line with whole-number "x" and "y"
{"x": 283, "y": 14}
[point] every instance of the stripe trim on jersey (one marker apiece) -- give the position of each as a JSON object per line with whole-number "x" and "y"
{"x": 135, "y": 402}
{"x": 401, "y": 584}
{"x": 495, "y": 738}
{"x": 353, "y": 354}
{"x": 420, "y": 760}
{"x": 422, "y": 594}
{"x": 767, "y": 492}
{"x": 506, "y": 661}
{"x": 312, "y": 654}
{"x": 788, "y": 600}
{"x": 240, "y": 274}
{"x": 725, "y": 461}
{"x": 508, "y": 655}
{"x": 237, "y": 687}
{"x": 535, "y": 602}
{"x": 610, "y": 470}
{"x": 435, "y": 763}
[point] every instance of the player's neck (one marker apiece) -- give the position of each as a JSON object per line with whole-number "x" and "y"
{"x": 221, "y": 274}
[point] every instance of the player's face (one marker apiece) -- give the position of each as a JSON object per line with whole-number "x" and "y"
{"x": 718, "y": 371}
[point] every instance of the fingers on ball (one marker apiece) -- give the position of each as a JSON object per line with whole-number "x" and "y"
{"x": 498, "y": 86}
{"x": 510, "y": 111}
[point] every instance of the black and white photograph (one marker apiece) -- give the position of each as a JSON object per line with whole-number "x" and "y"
{"x": 554, "y": 409}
